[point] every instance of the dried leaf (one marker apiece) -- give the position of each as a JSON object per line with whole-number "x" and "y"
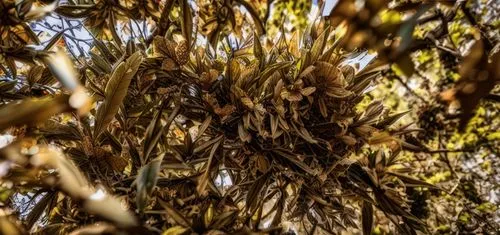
{"x": 95, "y": 229}
{"x": 176, "y": 230}
{"x": 224, "y": 219}
{"x": 32, "y": 111}
{"x": 307, "y": 71}
{"x": 146, "y": 181}
{"x": 45, "y": 201}
{"x": 7, "y": 226}
{"x": 257, "y": 48}
{"x": 411, "y": 181}
{"x": 203, "y": 181}
{"x": 253, "y": 196}
{"x": 174, "y": 214}
{"x": 259, "y": 25}
{"x": 187, "y": 21}
{"x": 391, "y": 119}
{"x": 115, "y": 92}
{"x": 243, "y": 133}
{"x": 319, "y": 45}
{"x": 367, "y": 217}
{"x": 308, "y": 91}
{"x": 204, "y": 126}
{"x": 61, "y": 66}
{"x": 73, "y": 183}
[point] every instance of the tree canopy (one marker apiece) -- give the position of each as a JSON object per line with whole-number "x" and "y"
{"x": 249, "y": 117}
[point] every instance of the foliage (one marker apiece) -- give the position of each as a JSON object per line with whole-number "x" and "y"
{"x": 210, "y": 117}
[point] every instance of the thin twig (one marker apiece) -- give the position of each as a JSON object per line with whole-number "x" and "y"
{"x": 409, "y": 88}
{"x": 450, "y": 151}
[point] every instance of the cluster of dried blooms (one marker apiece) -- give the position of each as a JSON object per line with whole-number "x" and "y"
{"x": 202, "y": 125}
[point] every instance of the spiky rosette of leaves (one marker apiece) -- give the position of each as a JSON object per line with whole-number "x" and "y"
{"x": 202, "y": 139}
{"x": 278, "y": 122}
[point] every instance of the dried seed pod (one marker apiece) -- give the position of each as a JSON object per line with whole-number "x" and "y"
{"x": 182, "y": 52}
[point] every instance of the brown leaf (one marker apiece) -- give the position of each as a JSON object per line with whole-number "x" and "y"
{"x": 164, "y": 47}
{"x": 175, "y": 214}
{"x": 406, "y": 65}
{"x": 247, "y": 102}
{"x": 47, "y": 200}
{"x": 74, "y": 183}
{"x": 32, "y": 111}
{"x": 292, "y": 158}
{"x": 186, "y": 21}
{"x": 182, "y": 52}
{"x": 293, "y": 96}
{"x": 154, "y": 136}
{"x": 8, "y": 226}
{"x": 319, "y": 45}
{"x": 257, "y": 48}
{"x": 95, "y": 229}
{"x": 224, "y": 219}
{"x": 259, "y": 25}
{"x": 115, "y": 92}
{"x": 252, "y": 199}
{"x": 243, "y": 133}
{"x": 146, "y": 181}
{"x": 367, "y": 217}
{"x": 203, "y": 181}
{"x": 411, "y": 181}
{"x": 204, "y": 126}
{"x": 479, "y": 75}
{"x": 338, "y": 92}
{"x": 308, "y": 91}
{"x": 307, "y": 71}
{"x": 62, "y": 67}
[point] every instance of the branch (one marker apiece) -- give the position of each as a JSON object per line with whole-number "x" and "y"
{"x": 470, "y": 17}
{"x": 450, "y": 151}
{"x": 492, "y": 97}
{"x": 408, "y": 88}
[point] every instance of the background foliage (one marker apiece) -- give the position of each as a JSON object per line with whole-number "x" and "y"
{"x": 237, "y": 116}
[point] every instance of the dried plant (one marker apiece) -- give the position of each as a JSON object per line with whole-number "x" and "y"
{"x": 159, "y": 133}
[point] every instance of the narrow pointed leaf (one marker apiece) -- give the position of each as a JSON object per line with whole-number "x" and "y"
{"x": 115, "y": 92}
